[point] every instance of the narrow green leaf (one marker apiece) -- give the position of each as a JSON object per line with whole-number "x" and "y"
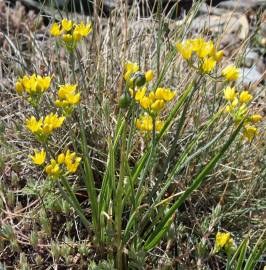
{"x": 257, "y": 251}
{"x": 89, "y": 179}
{"x": 242, "y": 255}
{"x": 163, "y": 226}
{"x": 72, "y": 200}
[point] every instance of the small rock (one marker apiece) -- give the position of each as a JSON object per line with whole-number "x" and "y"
{"x": 249, "y": 75}
{"x": 250, "y": 58}
{"x": 242, "y": 5}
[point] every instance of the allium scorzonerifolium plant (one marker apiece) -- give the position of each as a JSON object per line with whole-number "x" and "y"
{"x": 146, "y": 106}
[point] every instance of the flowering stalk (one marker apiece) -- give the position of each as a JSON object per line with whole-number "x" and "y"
{"x": 166, "y": 221}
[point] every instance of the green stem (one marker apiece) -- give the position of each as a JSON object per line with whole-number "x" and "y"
{"x": 119, "y": 202}
{"x": 72, "y": 200}
{"x": 163, "y": 226}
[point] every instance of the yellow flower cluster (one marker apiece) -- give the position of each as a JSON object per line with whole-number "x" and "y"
{"x": 34, "y": 84}
{"x": 55, "y": 167}
{"x": 44, "y": 127}
{"x": 70, "y": 32}
{"x": 151, "y": 101}
{"x": 154, "y": 101}
{"x": 144, "y": 123}
{"x": 237, "y": 107}
{"x": 205, "y": 51}
{"x": 206, "y": 57}
{"x": 69, "y": 160}
{"x": 134, "y": 77}
{"x": 67, "y": 97}
{"x": 224, "y": 240}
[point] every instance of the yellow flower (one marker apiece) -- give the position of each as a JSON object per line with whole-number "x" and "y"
{"x": 158, "y": 125}
{"x": 157, "y": 105}
{"x": 185, "y": 49}
{"x": 149, "y": 75}
{"x": 245, "y": 97}
{"x": 42, "y": 83}
{"x": 61, "y": 158}
{"x": 66, "y": 24}
{"x": 218, "y": 55}
{"x": 33, "y": 125}
{"x": 250, "y": 132}
{"x": 133, "y": 67}
{"x": 51, "y": 122}
{"x": 39, "y": 157}
{"x": 152, "y": 96}
{"x": 73, "y": 99}
{"x": 56, "y": 30}
{"x": 71, "y": 161}
{"x": 230, "y": 93}
{"x": 65, "y": 90}
{"x": 76, "y": 35}
{"x": 140, "y": 93}
{"x": 82, "y": 29}
{"x": 164, "y": 93}
{"x": 145, "y": 103}
{"x": 67, "y": 96}
{"x": 196, "y": 43}
{"x": 33, "y": 84}
{"x": 231, "y": 107}
{"x": 130, "y": 68}
{"x": 144, "y": 123}
{"x": 208, "y": 65}
{"x": 68, "y": 38}
{"x": 203, "y": 48}
{"x": 19, "y": 87}
{"x": 221, "y": 240}
{"x": 231, "y": 73}
{"x": 53, "y": 168}
{"x": 255, "y": 118}
{"x": 27, "y": 82}
{"x": 127, "y": 75}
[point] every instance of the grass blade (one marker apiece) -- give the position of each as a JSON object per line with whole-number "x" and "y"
{"x": 163, "y": 226}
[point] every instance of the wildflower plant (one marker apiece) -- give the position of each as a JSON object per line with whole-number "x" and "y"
{"x": 135, "y": 197}
{"x": 70, "y": 34}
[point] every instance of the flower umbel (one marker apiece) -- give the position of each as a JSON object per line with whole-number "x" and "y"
{"x": 44, "y": 127}
{"x": 250, "y": 132}
{"x": 67, "y": 97}
{"x": 70, "y": 33}
{"x": 32, "y": 85}
{"x": 231, "y": 73}
{"x": 224, "y": 240}
{"x": 145, "y": 123}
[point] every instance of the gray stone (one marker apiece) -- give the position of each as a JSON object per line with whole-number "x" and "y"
{"x": 242, "y": 5}
{"x": 249, "y": 75}
{"x": 251, "y": 58}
